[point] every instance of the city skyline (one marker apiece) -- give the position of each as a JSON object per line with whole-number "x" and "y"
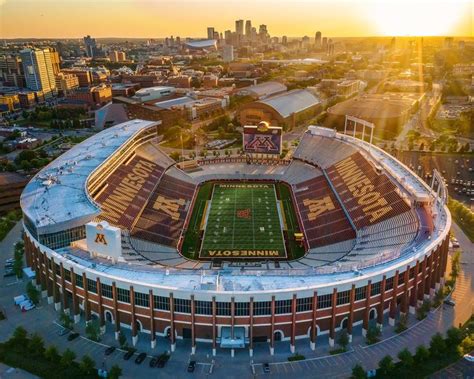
{"x": 153, "y": 19}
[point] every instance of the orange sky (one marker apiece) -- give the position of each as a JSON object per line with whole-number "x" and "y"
{"x": 159, "y": 18}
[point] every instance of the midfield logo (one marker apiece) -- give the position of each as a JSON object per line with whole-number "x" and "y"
{"x": 100, "y": 238}
{"x": 318, "y": 207}
{"x": 244, "y": 213}
{"x": 261, "y": 143}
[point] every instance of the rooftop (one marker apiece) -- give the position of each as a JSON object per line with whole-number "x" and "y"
{"x": 292, "y": 102}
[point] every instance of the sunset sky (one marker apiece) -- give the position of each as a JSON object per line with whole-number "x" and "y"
{"x": 189, "y": 18}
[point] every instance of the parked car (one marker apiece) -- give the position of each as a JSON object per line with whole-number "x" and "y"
{"x": 191, "y": 366}
{"x": 162, "y": 359}
{"x": 128, "y": 354}
{"x": 72, "y": 336}
{"x": 109, "y": 350}
{"x": 27, "y": 307}
{"x": 450, "y": 302}
{"x": 9, "y": 273}
{"x": 20, "y": 299}
{"x": 154, "y": 361}
{"x": 469, "y": 357}
{"x": 266, "y": 368}
{"x": 63, "y": 331}
{"x": 25, "y": 303}
{"x": 141, "y": 357}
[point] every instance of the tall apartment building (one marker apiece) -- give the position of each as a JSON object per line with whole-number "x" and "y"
{"x": 248, "y": 29}
{"x": 11, "y": 71}
{"x": 39, "y": 71}
{"x": 55, "y": 60}
{"x": 91, "y": 46}
{"x": 317, "y": 40}
{"x": 66, "y": 82}
{"x": 239, "y": 27}
{"x": 210, "y": 32}
{"x": 84, "y": 76}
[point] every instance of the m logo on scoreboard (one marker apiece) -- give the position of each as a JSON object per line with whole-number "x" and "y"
{"x": 100, "y": 238}
{"x": 262, "y": 139}
{"x": 318, "y": 207}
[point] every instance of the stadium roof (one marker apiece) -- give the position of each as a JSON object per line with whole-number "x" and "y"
{"x": 202, "y": 44}
{"x": 180, "y": 101}
{"x": 264, "y": 89}
{"x": 57, "y": 194}
{"x": 292, "y": 102}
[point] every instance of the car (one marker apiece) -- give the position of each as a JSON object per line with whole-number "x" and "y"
{"x": 450, "y": 302}
{"x": 10, "y": 260}
{"x": 469, "y": 357}
{"x": 27, "y": 307}
{"x": 63, "y": 331}
{"x": 191, "y": 366}
{"x": 9, "y": 273}
{"x": 162, "y": 359}
{"x": 266, "y": 368}
{"x": 20, "y": 299}
{"x": 128, "y": 354}
{"x": 109, "y": 350}
{"x": 141, "y": 357}
{"x": 154, "y": 361}
{"x": 72, "y": 336}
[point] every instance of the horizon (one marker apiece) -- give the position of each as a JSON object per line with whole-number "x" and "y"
{"x": 21, "y": 19}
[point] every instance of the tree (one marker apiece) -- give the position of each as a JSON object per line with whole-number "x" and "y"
{"x": 122, "y": 340}
{"x": 93, "y": 330}
{"x": 51, "y": 354}
{"x": 454, "y": 337}
{"x": 20, "y": 334}
{"x": 87, "y": 365}
{"x": 466, "y": 345}
{"x": 68, "y": 357}
{"x": 406, "y": 358}
{"x": 175, "y": 155}
{"x": 437, "y": 345}
{"x": 343, "y": 340}
{"x": 65, "y": 320}
{"x": 373, "y": 334}
{"x": 385, "y": 366}
{"x": 358, "y": 372}
{"x": 115, "y": 372}
{"x": 421, "y": 355}
{"x": 36, "y": 344}
{"x": 32, "y": 293}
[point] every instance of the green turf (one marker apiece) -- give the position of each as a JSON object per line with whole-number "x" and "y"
{"x": 243, "y": 217}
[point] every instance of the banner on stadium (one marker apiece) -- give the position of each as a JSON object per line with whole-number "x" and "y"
{"x": 262, "y": 139}
{"x": 242, "y": 254}
{"x": 104, "y": 240}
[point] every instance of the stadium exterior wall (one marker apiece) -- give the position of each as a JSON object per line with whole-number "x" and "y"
{"x": 122, "y": 303}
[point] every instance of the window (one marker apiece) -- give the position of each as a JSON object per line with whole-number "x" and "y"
{"x": 241, "y": 309}
{"x": 182, "y": 305}
{"x": 67, "y": 275}
{"x": 123, "y": 295}
{"x": 401, "y": 278}
{"x": 343, "y": 297}
{"x": 142, "y": 300}
{"x": 389, "y": 284}
{"x": 79, "y": 282}
{"x": 375, "y": 288}
{"x": 91, "y": 285}
{"x": 107, "y": 291}
{"x": 282, "y": 306}
{"x": 203, "y": 307}
{"x": 325, "y": 301}
{"x": 223, "y": 308}
{"x": 304, "y": 305}
{"x": 412, "y": 273}
{"x": 360, "y": 293}
{"x": 162, "y": 303}
{"x": 57, "y": 269}
{"x": 262, "y": 308}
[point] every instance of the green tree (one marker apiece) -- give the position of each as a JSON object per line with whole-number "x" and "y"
{"x": 36, "y": 344}
{"x": 87, "y": 365}
{"x": 115, "y": 372}
{"x": 68, "y": 357}
{"x": 373, "y": 334}
{"x": 175, "y": 156}
{"x": 32, "y": 293}
{"x": 421, "y": 355}
{"x": 386, "y": 366}
{"x": 454, "y": 336}
{"x": 406, "y": 358}
{"x": 122, "y": 340}
{"x": 93, "y": 330}
{"x": 343, "y": 340}
{"x": 20, "y": 334}
{"x": 437, "y": 345}
{"x": 51, "y": 354}
{"x": 65, "y": 320}
{"x": 358, "y": 372}
{"x": 466, "y": 345}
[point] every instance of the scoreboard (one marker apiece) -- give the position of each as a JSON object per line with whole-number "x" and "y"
{"x": 262, "y": 139}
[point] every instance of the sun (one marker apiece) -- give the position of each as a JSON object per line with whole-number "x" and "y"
{"x": 417, "y": 18}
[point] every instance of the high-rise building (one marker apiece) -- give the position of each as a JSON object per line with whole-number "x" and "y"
{"x": 248, "y": 28}
{"x": 228, "y": 53}
{"x": 317, "y": 40}
{"x": 11, "y": 71}
{"x": 262, "y": 31}
{"x": 228, "y": 36}
{"x": 210, "y": 32}
{"x": 324, "y": 45}
{"x": 91, "y": 46}
{"x": 239, "y": 27}
{"x": 39, "y": 71}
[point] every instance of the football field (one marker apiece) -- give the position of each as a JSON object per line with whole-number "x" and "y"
{"x": 242, "y": 221}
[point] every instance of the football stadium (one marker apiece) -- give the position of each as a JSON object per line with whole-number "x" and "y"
{"x": 235, "y": 251}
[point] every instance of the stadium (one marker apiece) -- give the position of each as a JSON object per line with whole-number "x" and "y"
{"x": 238, "y": 252}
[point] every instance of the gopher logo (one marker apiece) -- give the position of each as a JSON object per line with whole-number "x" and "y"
{"x": 244, "y": 213}
{"x": 100, "y": 238}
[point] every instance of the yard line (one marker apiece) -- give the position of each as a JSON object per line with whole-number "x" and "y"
{"x": 253, "y": 220}
{"x": 233, "y": 217}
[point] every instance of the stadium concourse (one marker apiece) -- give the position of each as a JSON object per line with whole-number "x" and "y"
{"x": 234, "y": 251}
